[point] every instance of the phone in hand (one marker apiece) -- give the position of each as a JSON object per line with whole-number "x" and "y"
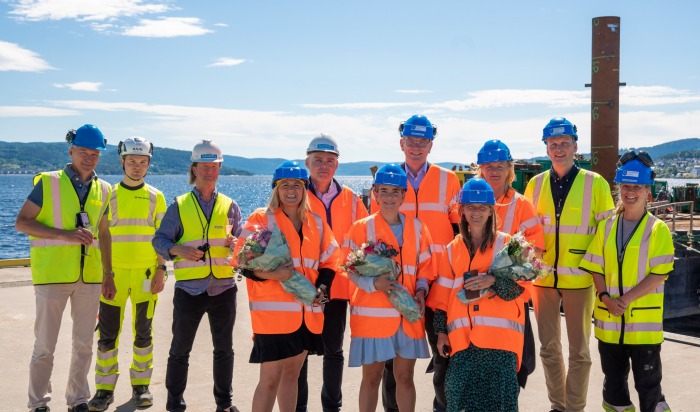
{"x": 447, "y": 350}
{"x": 471, "y": 294}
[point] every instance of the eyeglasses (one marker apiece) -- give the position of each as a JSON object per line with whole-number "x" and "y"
{"x": 631, "y": 154}
{"x": 420, "y": 143}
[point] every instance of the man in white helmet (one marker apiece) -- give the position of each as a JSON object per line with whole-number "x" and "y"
{"x": 340, "y": 208}
{"x": 196, "y": 234}
{"x": 135, "y": 213}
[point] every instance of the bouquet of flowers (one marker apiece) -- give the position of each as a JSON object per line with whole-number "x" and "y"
{"x": 516, "y": 261}
{"x": 266, "y": 249}
{"x": 374, "y": 259}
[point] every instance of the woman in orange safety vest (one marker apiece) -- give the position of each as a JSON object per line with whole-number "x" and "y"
{"x": 378, "y": 331}
{"x": 484, "y": 338}
{"x": 285, "y": 330}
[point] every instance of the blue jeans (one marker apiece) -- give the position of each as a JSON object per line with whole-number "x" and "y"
{"x": 188, "y": 311}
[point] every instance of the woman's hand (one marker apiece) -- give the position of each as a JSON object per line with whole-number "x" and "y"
{"x": 443, "y": 345}
{"x": 420, "y": 299}
{"x": 479, "y": 282}
{"x": 282, "y": 273}
{"x": 384, "y": 283}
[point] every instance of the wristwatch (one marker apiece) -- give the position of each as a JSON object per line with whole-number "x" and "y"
{"x": 108, "y": 272}
{"x": 162, "y": 267}
{"x": 601, "y": 294}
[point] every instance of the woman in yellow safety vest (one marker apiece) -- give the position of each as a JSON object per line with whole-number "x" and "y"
{"x": 284, "y": 329}
{"x": 630, "y": 258}
{"x": 483, "y": 338}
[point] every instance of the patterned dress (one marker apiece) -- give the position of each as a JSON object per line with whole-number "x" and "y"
{"x": 480, "y": 379}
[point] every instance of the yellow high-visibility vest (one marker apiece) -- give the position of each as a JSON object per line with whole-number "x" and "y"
{"x": 57, "y": 261}
{"x": 198, "y": 230}
{"x": 649, "y": 252}
{"x": 134, "y": 217}
{"x": 587, "y": 203}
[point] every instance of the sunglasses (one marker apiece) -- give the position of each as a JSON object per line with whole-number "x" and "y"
{"x": 631, "y": 154}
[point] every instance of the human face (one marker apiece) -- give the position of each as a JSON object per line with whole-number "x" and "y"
{"x": 389, "y": 198}
{"x": 416, "y": 150}
{"x": 322, "y": 166}
{"x": 206, "y": 173}
{"x": 84, "y": 160}
{"x": 476, "y": 214}
{"x": 135, "y": 166}
{"x": 561, "y": 150}
{"x": 495, "y": 173}
{"x": 291, "y": 192}
{"x": 634, "y": 196}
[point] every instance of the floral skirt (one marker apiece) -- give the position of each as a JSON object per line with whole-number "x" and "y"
{"x": 366, "y": 351}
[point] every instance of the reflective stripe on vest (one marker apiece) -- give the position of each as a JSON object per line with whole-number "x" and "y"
{"x": 458, "y": 281}
{"x": 374, "y": 312}
{"x": 498, "y": 323}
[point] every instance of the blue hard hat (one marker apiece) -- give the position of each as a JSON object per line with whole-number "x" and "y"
{"x": 418, "y": 126}
{"x": 559, "y": 126}
{"x": 290, "y": 170}
{"x": 493, "y": 151}
{"x": 476, "y": 191}
{"x": 87, "y": 136}
{"x": 635, "y": 172}
{"x": 391, "y": 174}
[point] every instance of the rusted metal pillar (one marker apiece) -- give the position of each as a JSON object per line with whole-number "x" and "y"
{"x": 605, "y": 96}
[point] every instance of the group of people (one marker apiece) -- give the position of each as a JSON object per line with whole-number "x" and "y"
{"x": 603, "y": 261}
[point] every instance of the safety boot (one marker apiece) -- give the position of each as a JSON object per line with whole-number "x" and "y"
{"x": 100, "y": 402}
{"x": 141, "y": 396}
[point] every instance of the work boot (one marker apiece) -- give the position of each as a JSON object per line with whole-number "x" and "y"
{"x": 41, "y": 409}
{"x": 141, "y": 396}
{"x": 83, "y": 407}
{"x": 100, "y": 402}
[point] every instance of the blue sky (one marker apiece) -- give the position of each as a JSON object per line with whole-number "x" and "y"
{"x": 261, "y": 78}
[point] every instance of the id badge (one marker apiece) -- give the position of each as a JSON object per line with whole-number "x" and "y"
{"x": 83, "y": 220}
{"x": 146, "y": 285}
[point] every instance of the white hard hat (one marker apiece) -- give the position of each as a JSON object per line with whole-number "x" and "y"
{"x": 207, "y": 152}
{"x": 135, "y": 146}
{"x": 323, "y": 143}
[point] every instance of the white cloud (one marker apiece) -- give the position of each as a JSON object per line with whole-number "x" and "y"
{"x": 83, "y": 10}
{"x": 413, "y": 91}
{"x": 220, "y": 24}
{"x": 35, "y": 111}
{"x": 361, "y": 105}
{"x": 15, "y": 58}
{"x": 227, "y": 62}
{"x": 167, "y": 27}
{"x": 80, "y": 86}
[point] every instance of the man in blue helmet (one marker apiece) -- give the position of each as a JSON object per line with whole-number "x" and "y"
{"x": 432, "y": 197}
{"x": 569, "y": 202}
{"x": 65, "y": 217}
{"x": 196, "y": 234}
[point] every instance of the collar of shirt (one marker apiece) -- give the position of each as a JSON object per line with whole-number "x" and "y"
{"x": 74, "y": 176}
{"x": 327, "y": 197}
{"x": 569, "y": 177}
{"x": 418, "y": 177}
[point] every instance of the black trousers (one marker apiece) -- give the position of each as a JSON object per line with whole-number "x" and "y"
{"x": 188, "y": 311}
{"x": 646, "y": 368}
{"x": 439, "y": 369}
{"x": 335, "y": 318}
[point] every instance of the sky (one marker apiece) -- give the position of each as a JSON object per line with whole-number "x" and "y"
{"x": 262, "y": 78}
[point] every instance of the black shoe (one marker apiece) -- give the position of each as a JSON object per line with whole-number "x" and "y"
{"x": 555, "y": 410}
{"x": 83, "y": 407}
{"x": 42, "y": 409}
{"x": 141, "y": 396}
{"x": 100, "y": 402}
{"x": 229, "y": 409}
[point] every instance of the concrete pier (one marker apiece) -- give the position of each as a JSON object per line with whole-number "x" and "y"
{"x": 680, "y": 357}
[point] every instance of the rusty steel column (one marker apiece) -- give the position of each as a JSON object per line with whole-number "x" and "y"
{"x": 605, "y": 96}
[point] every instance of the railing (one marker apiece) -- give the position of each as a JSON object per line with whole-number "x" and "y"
{"x": 672, "y": 212}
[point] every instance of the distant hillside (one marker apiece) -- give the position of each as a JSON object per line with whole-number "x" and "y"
{"x": 33, "y": 158}
{"x": 663, "y": 149}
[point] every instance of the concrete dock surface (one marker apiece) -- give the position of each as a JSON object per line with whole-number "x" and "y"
{"x": 680, "y": 357}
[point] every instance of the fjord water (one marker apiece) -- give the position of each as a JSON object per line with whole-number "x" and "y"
{"x": 250, "y": 192}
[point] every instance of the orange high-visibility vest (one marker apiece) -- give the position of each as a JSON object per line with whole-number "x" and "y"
{"x": 516, "y": 214}
{"x": 345, "y": 209}
{"x": 272, "y": 310}
{"x": 371, "y": 314}
{"x": 435, "y": 204}
{"x": 488, "y": 323}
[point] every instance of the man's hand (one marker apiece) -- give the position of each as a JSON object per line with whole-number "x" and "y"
{"x": 186, "y": 252}
{"x": 158, "y": 281}
{"x": 80, "y": 235}
{"x": 109, "y": 290}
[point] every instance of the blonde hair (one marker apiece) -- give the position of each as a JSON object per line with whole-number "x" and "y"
{"x": 302, "y": 210}
{"x": 489, "y": 233}
{"x": 620, "y": 207}
{"x": 510, "y": 178}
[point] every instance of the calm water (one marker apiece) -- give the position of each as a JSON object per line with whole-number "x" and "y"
{"x": 250, "y": 192}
